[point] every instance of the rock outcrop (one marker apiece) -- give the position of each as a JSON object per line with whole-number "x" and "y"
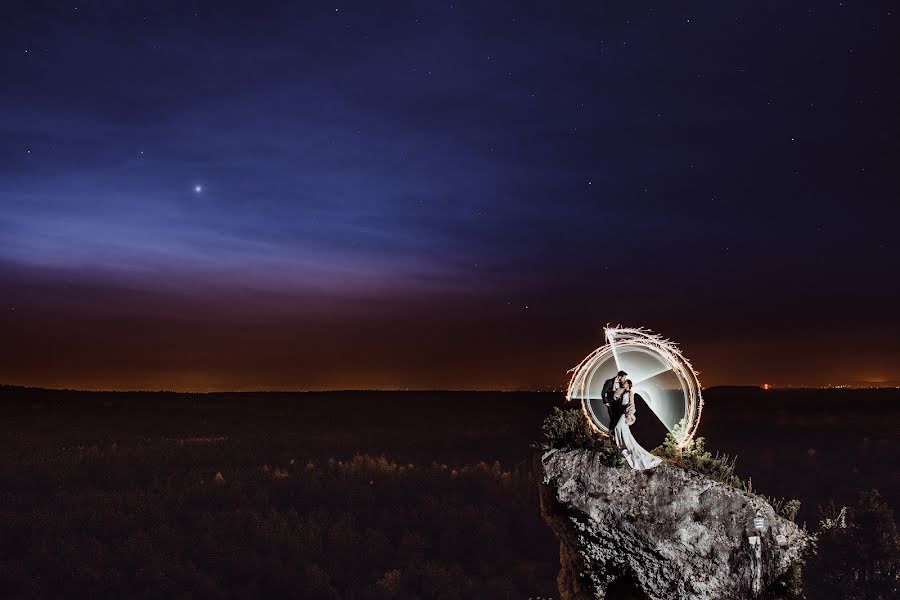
{"x": 665, "y": 533}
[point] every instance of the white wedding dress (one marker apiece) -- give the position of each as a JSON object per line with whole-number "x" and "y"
{"x": 638, "y": 458}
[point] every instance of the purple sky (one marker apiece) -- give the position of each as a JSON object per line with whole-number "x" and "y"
{"x": 454, "y": 195}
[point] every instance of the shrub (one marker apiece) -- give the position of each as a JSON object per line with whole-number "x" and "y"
{"x": 858, "y": 552}
{"x": 694, "y": 457}
{"x": 569, "y": 429}
{"x": 787, "y": 508}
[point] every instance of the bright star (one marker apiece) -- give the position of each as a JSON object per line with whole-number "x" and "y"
{"x": 198, "y": 188}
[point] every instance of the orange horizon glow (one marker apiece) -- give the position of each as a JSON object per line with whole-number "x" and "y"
{"x": 368, "y": 388}
{"x": 98, "y": 338}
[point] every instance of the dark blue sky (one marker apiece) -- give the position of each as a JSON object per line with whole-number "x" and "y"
{"x": 221, "y": 195}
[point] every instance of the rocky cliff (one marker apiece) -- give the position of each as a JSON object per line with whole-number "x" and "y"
{"x": 665, "y": 533}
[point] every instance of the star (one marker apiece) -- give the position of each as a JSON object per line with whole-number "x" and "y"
{"x": 198, "y": 189}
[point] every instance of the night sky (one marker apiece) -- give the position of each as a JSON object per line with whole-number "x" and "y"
{"x": 236, "y": 195}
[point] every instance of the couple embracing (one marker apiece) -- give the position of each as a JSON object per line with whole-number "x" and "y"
{"x": 619, "y": 401}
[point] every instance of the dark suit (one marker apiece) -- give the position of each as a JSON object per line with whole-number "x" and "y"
{"x": 613, "y": 406}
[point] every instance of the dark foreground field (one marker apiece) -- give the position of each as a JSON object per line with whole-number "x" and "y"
{"x": 351, "y": 495}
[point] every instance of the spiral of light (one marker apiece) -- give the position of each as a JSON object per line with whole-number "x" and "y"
{"x": 660, "y": 374}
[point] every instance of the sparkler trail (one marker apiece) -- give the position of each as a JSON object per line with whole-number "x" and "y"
{"x": 682, "y": 401}
{"x": 612, "y": 345}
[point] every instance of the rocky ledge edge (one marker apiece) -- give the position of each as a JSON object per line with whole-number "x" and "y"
{"x": 665, "y": 533}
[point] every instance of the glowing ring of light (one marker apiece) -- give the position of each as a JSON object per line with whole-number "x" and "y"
{"x": 622, "y": 339}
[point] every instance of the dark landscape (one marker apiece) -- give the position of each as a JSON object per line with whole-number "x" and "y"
{"x": 217, "y": 196}
{"x": 354, "y": 494}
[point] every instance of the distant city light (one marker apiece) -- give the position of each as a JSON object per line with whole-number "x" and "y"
{"x": 765, "y": 386}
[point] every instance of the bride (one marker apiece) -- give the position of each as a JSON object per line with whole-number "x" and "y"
{"x": 635, "y": 455}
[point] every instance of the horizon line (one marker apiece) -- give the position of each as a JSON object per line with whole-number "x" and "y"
{"x": 419, "y": 390}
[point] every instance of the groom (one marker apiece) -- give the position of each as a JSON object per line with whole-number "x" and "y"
{"x": 613, "y": 406}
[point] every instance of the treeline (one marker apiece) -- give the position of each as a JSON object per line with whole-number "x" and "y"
{"x": 180, "y": 519}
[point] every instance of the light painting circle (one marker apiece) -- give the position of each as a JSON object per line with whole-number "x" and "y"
{"x": 660, "y": 375}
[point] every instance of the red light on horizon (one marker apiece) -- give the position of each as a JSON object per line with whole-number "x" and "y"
{"x": 765, "y": 386}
